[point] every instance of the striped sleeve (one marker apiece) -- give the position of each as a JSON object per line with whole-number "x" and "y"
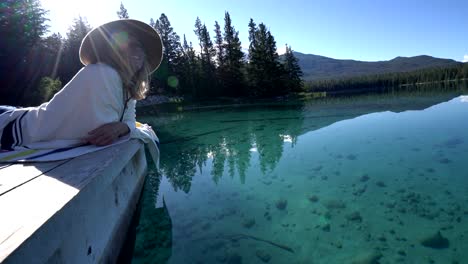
{"x": 12, "y": 133}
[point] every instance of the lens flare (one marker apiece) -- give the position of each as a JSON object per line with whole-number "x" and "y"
{"x": 172, "y": 81}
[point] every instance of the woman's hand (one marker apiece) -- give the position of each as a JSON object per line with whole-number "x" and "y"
{"x": 107, "y": 134}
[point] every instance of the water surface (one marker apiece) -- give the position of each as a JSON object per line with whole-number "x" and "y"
{"x": 310, "y": 182}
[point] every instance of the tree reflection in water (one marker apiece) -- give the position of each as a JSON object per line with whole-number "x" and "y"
{"x": 227, "y": 141}
{"x": 228, "y": 137}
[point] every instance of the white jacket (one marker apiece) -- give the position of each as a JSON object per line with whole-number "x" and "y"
{"x": 92, "y": 98}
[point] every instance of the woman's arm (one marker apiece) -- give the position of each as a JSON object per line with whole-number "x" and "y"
{"x": 110, "y": 132}
{"x": 129, "y": 117}
{"x": 107, "y": 133}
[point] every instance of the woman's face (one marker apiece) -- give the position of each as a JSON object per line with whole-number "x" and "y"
{"x": 133, "y": 54}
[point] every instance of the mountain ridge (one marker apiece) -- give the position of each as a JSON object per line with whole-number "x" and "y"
{"x": 317, "y": 67}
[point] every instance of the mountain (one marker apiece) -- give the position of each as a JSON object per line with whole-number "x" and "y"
{"x": 317, "y": 67}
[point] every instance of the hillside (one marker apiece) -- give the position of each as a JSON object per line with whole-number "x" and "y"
{"x": 319, "y": 67}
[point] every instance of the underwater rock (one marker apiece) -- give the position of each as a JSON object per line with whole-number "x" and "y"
{"x": 324, "y": 178}
{"x": 334, "y": 204}
{"x": 401, "y": 190}
{"x": 318, "y": 168}
{"x": 267, "y": 182}
{"x": 370, "y": 257}
{"x": 267, "y": 215}
{"x": 281, "y": 204}
{"x": 382, "y": 238}
{"x": 326, "y": 227}
{"x": 338, "y": 244}
{"x": 431, "y": 215}
{"x": 248, "y": 223}
{"x": 351, "y": 157}
{"x": 401, "y": 210}
{"x": 263, "y": 256}
{"x": 412, "y": 198}
{"x": 221, "y": 258}
{"x": 360, "y": 191}
{"x": 381, "y": 184}
{"x": 436, "y": 241}
{"x": 249, "y": 197}
{"x": 313, "y": 198}
{"x": 217, "y": 245}
{"x": 206, "y": 226}
{"x": 234, "y": 258}
{"x": 452, "y": 143}
{"x": 445, "y": 161}
{"x": 364, "y": 178}
{"x": 354, "y": 216}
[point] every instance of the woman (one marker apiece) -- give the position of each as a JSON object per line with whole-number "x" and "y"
{"x": 98, "y": 105}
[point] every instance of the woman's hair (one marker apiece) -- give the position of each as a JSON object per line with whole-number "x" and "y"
{"x": 136, "y": 84}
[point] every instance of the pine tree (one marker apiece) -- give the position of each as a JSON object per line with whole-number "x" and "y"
{"x": 22, "y": 24}
{"x": 71, "y": 60}
{"x": 219, "y": 46}
{"x": 293, "y": 71}
{"x": 47, "y": 58}
{"x": 190, "y": 71}
{"x": 52, "y": 48}
{"x": 275, "y": 70}
{"x": 170, "y": 39}
{"x": 264, "y": 70}
{"x": 172, "y": 52}
{"x": 122, "y": 13}
{"x": 208, "y": 52}
{"x": 198, "y": 30}
{"x": 252, "y": 32}
{"x": 234, "y": 59}
{"x": 208, "y": 84}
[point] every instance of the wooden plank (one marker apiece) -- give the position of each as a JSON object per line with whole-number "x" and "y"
{"x": 27, "y": 208}
{"x": 18, "y": 174}
{"x": 3, "y": 165}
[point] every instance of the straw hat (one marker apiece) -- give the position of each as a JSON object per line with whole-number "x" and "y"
{"x": 144, "y": 33}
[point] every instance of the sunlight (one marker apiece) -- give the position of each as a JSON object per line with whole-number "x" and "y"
{"x": 281, "y": 49}
{"x": 62, "y": 12}
{"x": 464, "y": 98}
{"x": 286, "y": 138}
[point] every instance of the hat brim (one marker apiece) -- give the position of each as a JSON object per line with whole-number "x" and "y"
{"x": 144, "y": 33}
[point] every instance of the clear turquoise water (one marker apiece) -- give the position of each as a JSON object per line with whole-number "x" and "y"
{"x": 337, "y": 181}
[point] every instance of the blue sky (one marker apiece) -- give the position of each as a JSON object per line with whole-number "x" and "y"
{"x": 343, "y": 29}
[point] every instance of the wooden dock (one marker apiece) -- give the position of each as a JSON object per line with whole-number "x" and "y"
{"x": 70, "y": 211}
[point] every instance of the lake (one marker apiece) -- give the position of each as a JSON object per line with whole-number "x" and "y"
{"x": 345, "y": 180}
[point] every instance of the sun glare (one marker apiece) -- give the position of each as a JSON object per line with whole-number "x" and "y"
{"x": 62, "y": 12}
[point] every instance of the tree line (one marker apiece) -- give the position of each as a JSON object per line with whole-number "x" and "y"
{"x": 34, "y": 66}
{"x": 436, "y": 76}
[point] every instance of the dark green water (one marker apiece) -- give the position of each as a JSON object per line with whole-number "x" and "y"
{"x": 334, "y": 181}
